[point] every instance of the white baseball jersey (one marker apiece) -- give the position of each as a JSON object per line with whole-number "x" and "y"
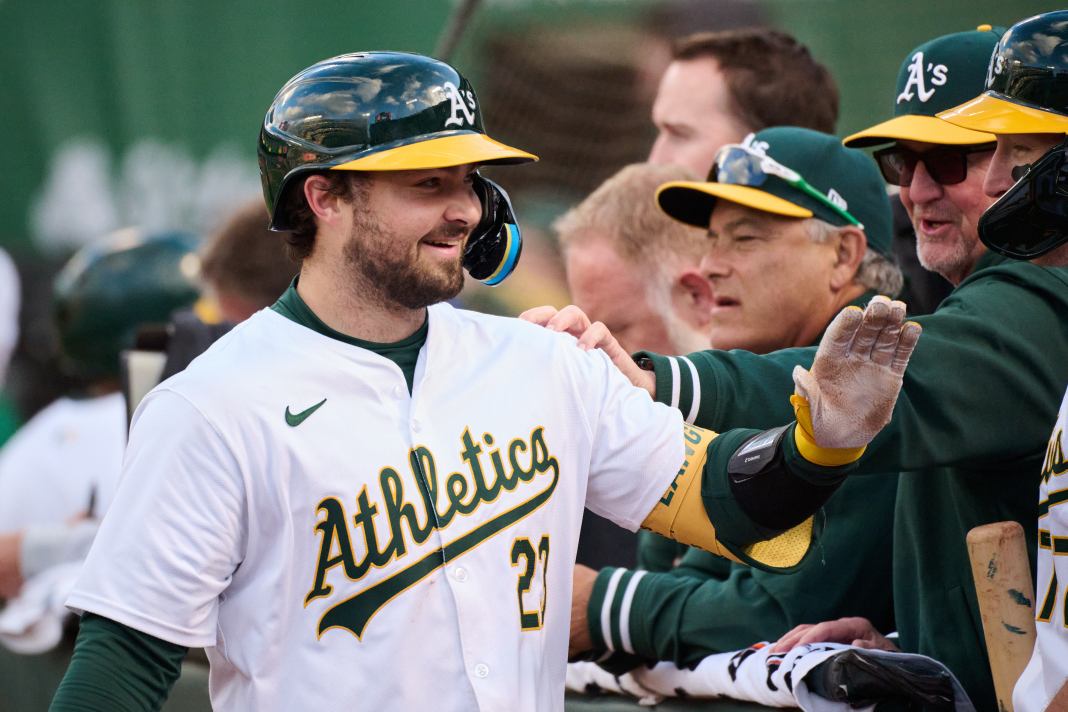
{"x": 338, "y": 544}
{"x": 64, "y": 456}
{"x": 1047, "y": 670}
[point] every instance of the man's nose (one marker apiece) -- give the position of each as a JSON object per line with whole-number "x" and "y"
{"x": 999, "y": 175}
{"x": 464, "y": 207}
{"x": 924, "y": 188}
{"x": 714, "y": 263}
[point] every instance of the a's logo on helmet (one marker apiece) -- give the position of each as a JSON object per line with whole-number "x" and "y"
{"x": 463, "y": 106}
{"x": 918, "y": 79}
{"x": 996, "y": 66}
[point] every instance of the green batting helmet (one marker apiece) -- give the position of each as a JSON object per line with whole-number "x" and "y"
{"x": 372, "y": 111}
{"x": 107, "y": 291}
{"x": 389, "y": 111}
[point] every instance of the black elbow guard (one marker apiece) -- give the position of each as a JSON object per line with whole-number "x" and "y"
{"x": 774, "y": 486}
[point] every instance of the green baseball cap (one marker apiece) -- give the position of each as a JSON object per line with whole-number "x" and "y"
{"x": 936, "y": 76}
{"x": 847, "y": 182}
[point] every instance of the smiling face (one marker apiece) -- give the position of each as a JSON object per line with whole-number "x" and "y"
{"x": 408, "y": 232}
{"x": 770, "y": 280}
{"x": 946, "y": 217}
{"x": 693, "y": 115}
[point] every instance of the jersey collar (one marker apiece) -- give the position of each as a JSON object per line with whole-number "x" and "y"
{"x": 291, "y": 306}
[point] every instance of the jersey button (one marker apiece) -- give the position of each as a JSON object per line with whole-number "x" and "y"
{"x": 482, "y": 670}
{"x": 416, "y": 426}
{"x": 398, "y": 391}
{"x": 460, "y": 574}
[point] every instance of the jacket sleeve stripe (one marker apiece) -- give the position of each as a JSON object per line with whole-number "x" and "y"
{"x": 624, "y": 612}
{"x": 695, "y": 404}
{"x": 674, "y": 364}
{"x": 606, "y": 608}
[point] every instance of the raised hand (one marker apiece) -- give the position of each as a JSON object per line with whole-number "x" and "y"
{"x": 856, "y": 376}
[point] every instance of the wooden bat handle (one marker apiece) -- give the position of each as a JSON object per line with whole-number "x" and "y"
{"x": 1003, "y": 586}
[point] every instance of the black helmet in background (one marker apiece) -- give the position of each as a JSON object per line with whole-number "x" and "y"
{"x": 106, "y": 292}
{"x": 1026, "y": 92}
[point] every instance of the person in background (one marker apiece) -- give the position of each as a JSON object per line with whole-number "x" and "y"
{"x": 781, "y": 266}
{"x": 722, "y": 86}
{"x": 244, "y": 266}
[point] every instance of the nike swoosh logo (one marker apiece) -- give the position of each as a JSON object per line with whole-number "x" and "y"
{"x": 295, "y": 419}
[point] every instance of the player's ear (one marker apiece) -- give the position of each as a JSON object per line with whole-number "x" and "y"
{"x": 691, "y": 296}
{"x": 850, "y": 246}
{"x": 322, "y": 199}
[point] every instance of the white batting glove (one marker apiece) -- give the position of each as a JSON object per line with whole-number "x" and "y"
{"x": 849, "y": 394}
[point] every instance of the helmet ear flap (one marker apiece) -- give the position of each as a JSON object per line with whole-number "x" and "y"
{"x": 495, "y": 244}
{"x": 1030, "y": 219}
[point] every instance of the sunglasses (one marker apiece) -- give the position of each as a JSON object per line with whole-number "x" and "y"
{"x": 739, "y": 165}
{"x": 947, "y": 165}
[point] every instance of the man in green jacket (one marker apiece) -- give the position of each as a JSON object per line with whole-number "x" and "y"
{"x": 1026, "y": 107}
{"x": 968, "y": 433}
{"x": 762, "y": 301}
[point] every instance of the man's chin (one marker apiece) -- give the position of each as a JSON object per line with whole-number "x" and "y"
{"x": 423, "y": 292}
{"x": 947, "y": 259}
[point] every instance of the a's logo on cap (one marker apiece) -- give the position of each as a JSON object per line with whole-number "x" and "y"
{"x": 463, "y": 106}
{"x": 835, "y": 197}
{"x": 918, "y": 79}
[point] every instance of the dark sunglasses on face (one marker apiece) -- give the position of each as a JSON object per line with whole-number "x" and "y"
{"x": 946, "y": 164}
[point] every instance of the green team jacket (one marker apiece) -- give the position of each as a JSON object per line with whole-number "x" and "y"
{"x": 708, "y": 605}
{"x": 968, "y": 435}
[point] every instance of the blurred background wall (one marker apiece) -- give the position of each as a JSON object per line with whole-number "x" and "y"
{"x": 145, "y": 112}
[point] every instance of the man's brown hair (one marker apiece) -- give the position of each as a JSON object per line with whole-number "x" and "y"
{"x": 772, "y": 78}
{"x": 301, "y": 238}
{"x": 246, "y": 258}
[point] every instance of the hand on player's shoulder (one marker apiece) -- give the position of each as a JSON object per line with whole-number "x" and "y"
{"x": 591, "y": 335}
{"x": 570, "y": 319}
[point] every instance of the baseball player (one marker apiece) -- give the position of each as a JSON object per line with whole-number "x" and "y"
{"x": 1026, "y": 106}
{"x": 363, "y": 497}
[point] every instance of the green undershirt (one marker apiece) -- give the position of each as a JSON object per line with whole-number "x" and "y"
{"x": 115, "y": 667}
{"x": 404, "y": 353}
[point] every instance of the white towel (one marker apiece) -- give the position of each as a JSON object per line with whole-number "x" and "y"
{"x": 32, "y": 623}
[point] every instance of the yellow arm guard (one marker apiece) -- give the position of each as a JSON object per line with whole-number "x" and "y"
{"x": 680, "y": 515}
